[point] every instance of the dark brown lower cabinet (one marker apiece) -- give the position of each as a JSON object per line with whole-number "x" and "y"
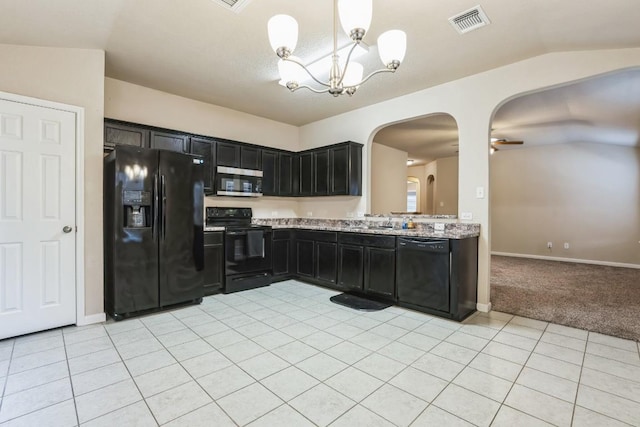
{"x": 213, "y": 262}
{"x": 367, "y": 264}
{"x": 305, "y": 255}
{"x": 282, "y": 254}
{"x": 326, "y": 262}
{"x": 316, "y": 255}
{"x": 350, "y": 267}
{"x": 380, "y": 271}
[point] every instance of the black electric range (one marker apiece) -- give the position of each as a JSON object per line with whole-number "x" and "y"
{"x": 247, "y": 248}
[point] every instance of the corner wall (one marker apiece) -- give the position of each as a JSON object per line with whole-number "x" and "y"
{"x": 74, "y": 77}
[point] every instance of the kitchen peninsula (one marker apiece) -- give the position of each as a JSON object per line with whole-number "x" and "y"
{"x": 432, "y": 268}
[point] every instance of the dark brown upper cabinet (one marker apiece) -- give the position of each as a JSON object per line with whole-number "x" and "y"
{"x": 169, "y": 141}
{"x": 123, "y": 134}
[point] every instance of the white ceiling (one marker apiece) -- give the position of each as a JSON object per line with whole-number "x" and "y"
{"x": 604, "y": 109}
{"x": 198, "y": 49}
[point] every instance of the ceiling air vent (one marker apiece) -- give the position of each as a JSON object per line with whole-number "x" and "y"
{"x": 469, "y": 20}
{"x": 234, "y": 5}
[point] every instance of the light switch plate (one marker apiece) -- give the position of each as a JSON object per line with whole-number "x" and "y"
{"x": 480, "y": 192}
{"x": 466, "y": 215}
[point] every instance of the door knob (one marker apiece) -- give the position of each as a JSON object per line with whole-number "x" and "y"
{"x": 67, "y": 229}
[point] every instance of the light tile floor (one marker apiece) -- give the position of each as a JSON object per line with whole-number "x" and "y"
{"x": 285, "y": 355}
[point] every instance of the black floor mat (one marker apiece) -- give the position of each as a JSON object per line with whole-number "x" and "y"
{"x": 358, "y": 303}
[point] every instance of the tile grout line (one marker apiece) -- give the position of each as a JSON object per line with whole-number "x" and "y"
{"x": 6, "y": 380}
{"x": 73, "y": 396}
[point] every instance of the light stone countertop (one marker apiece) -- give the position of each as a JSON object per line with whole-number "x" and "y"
{"x": 452, "y": 230}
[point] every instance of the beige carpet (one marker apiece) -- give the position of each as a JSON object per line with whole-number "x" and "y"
{"x": 592, "y": 297}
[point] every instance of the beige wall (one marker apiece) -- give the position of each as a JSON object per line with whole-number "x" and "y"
{"x": 419, "y": 172}
{"x": 139, "y": 104}
{"x": 446, "y": 186}
{"x": 429, "y": 191}
{"x": 472, "y": 101}
{"x": 74, "y": 77}
{"x": 388, "y": 179}
{"x": 587, "y": 195}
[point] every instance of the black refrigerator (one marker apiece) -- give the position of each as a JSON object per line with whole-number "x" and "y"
{"x": 153, "y": 230}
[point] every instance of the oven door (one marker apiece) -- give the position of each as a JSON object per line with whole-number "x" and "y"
{"x": 247, "y": 250}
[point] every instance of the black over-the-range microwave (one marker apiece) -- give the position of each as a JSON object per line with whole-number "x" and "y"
{"x": 238, "y": 182}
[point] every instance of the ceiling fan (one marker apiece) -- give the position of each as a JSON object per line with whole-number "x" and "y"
{"x": 502, "y": 141}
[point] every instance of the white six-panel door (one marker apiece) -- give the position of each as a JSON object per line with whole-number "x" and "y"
{"x": 37, "y": 202}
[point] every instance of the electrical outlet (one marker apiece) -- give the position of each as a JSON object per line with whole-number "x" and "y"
{"x": 566, "y": 245}
{"x": 549, "y": 245}
{"x": 438, "y": 226}
{"x": 360, "y": 214}
{"x": 466, "y": 215}
{"x": 274, "y": 213}
{"x": 349, "y": 214}
{"x": 309, "y": 213}
{"x": 441, "y": 204}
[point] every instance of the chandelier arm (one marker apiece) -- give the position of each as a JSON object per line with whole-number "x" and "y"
{"x": 310, "y": 88}
{"x": 305, "y": 69}
{"x": 382, "y": 70}
{"x": 346, "y": 64}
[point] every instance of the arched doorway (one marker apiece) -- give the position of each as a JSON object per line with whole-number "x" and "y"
{"x": 413, "y": 151}
{"x": 570, "y": 193}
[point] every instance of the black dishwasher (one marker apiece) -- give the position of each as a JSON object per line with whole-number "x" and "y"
{"x": 422, "y": 273}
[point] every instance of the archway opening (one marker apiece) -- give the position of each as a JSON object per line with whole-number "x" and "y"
{"x": 423, "y": 151}
{"x": 565, "y": 204}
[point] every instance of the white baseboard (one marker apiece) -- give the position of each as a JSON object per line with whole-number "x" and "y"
{"x": 485, "y": 308}
{"x": 580, "y": 261}
{"x": 94, "y": 318}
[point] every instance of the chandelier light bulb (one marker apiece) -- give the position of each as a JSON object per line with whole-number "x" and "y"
{"x": 290, "y": 71}
{"x": 355, "y": 16}
{"x": 392, "y": 46}
{"x": 283, "y": 34}
{"x": 353, "y": 74}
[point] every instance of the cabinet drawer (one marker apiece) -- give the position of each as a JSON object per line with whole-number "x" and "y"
{"x": 318, "y": 236}
{"x": 282, "y": 234}
{"x": 368, "y": 240}
{"x": 213, "y": 237}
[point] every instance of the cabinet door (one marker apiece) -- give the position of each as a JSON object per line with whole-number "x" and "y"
{"x": 227, "y": 154}
{"x": 119, "y": 134}
{"x": 205, "y": 148}
{"x": 250, "y": 158}
{"x": 339, "y": 170}
{"x": 351, "y": 266}
{"x": 305, "y": 254}
{"x": 380, "y": 271}
{"x": 269, "y": 173}
{"x": 327, "y": 261}
{"x": 170, "y": 141}
{"x": 321, "y": 173}
{"x": 284, "y": 178}
{"x": 306, "y": 174}
{"x": 213, "y": 262}
{"x": 281, "y": 254}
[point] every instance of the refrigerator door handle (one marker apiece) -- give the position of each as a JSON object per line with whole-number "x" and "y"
{"x": 155, "y": 208}
{"x": 163, "y": 194}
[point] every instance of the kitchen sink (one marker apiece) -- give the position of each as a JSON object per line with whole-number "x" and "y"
{"x": 373, "y": 227}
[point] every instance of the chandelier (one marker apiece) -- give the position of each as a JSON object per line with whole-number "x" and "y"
{"x": 346, "y": 77}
